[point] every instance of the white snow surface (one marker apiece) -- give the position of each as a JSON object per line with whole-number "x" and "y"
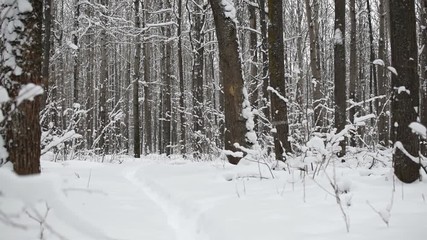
{"x": 229, "y": 10}
{"x": 158, "y": 198}
{"x": 419, "y": 129}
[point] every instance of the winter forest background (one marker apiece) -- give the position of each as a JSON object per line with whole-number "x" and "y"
{"x": 300, "y": 90}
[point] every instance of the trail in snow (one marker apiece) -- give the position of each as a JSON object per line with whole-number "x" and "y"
{"x": 182, "y": 216}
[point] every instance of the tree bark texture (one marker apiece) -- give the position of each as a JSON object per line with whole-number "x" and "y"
{"x": 198, "y": 20}
{"x": 231, "y": 72}
{"x": 405, "y": 88}
{"x": 277, "y": 79}
{"x": 135, "y": 86}
{"x": 23, "y": 128}
{"x": 339, "y": 70}
{"x": 353, "y": 65}
{"x": 316, "y": 77}
{"x": 383, "y": 118}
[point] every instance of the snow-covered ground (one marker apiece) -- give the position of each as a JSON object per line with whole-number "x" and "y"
{"x": 156, "y": 198}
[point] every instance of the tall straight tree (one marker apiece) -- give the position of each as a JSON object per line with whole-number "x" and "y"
{"x": 277, "y": 79}
{"x": 405, "y": 87}
{"x": 46, "y": 46}
{"x": 339, "y": 70}
{"x": 76, "y": 52}
{"x": 135, "y": 85}
{"x": 197, "y": 37}
{"x": 181, "y": 79}
{"x": 148, "y": 129}
{"x": 264, "y": 59}
{"x": 231, "y": 72}
{"x": 383, "y": 119}
{"x": 103, "y": 81}
{"x": 353, "y": 64}
{"x": 167, "y": 91}
{"x": 313, "y": 31}
{"x": 23, "y": 128}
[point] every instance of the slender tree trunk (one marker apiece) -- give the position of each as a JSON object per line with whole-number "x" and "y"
{"x": 383, "y": 128}
{"x": 197, "y": 76}
{"x": 264, "y": 104}
{"x": 102, "y": 112}
{"x": 181, "y": 80}
{"x": 167, "y": 90}
{"x": 76, "y": 54}
{"x": 339, "y": 70}
{"x": 46, "y": 49}
{"x": 353, "y": 65}
{"x": 277, "y": 78}
{"x": 148, "y": 128}
{"x": 253, "y": 41}
{"x": 135, "y": 85}
{"x": 232, "y": 79}
{"x": 373, "y": 89}
{"x": 405, "y": 87}
{"x": 316, "y": 77}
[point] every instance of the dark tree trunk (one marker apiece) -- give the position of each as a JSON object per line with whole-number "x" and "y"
{"x": 318, "y": 97}
{"x": 197, "y": 76}
{"x": 167, "y": 91}
{"x": 103, "y": 115}
{"x": 231, "y": 73}
{"x": 148, "y": 128}
{"x": 353, "y": 66}
{"x": 264, "y": 104}
{"x": 181, "y": 80}
{"x": 135, "y": 84}
{"x": 23, "y": 128}
{"x": 373, "y": 89}
{"x": 383, "y": 128}
{"x": 405, "y": 87}
{"x": 46, "y": 49}
{"x": 253, "y": 41}
{"x": 277, "y": 79}
{"x": 339, "y": 70}
{"x": 76, "y": 53}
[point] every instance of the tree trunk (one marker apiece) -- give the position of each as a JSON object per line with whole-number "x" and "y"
{"x": 264, "y": 104}
{"x": 46, "y": 49}
{"x": 277, "y": 79}
{"x": 373, "y": 89}
{"x": 76, "y": 55}
{"x": 197, "y": 77}
{"x": 231, "y": 73}
{"x": 148, "y": 128}
{"x": 253, "y": 41}
{"x": 353, "y": 66}
{"x": 102, "y": 112}
{"x": 339, "y": 70}
{"x": 181, "y": 80}
{"x": 383, "y": 128}
{"x": 135, "y": 86}
{"x": 405, "y": 87}
{"x": 316, "y": 77}
{"x": 23, "y": 128}
{"x": 167, "y": 91}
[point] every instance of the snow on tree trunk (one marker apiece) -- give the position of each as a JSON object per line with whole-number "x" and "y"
{"x": 21, "y": 64}
{"x": 231, "y": 74}
{"x": 405, "y": 87}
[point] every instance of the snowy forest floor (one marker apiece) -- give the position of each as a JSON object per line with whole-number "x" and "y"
{"x": 158, "y": 198}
